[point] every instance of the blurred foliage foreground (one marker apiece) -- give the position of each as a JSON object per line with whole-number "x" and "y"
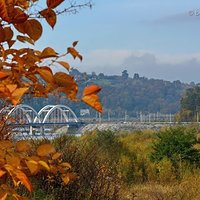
{"x": 142, "y": 165}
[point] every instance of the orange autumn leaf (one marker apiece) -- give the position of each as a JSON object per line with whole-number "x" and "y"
{"x": 53, "y": 3}
{"x": 23, "y": 39}
{"x": 46, "y": 74}
{"x": 16, "y": 93}
{"x": 32, "y": 28}
{"x": 17, "y": 16}
{"x": 48, "y": 52}
{"x": 11, "y": 87}
{"x": 64, "y": 64}
{"x": 3, "y": 196}
{"x": 2, "y": 173}
{"x": 65, "y": 178}
{"x": 56, "y": 156}
{"x": 66, "y": 84}
{"x": 12, "y": 160}
{"x": 2, "y": 34}
{"x": 90, "y": 97}
{"x": 3, "y": 9}
{"x": 93, "y": 101}
{"x": 6, "y": 144}
{"x": 8, "y": 33}
{"x": 24, "y": 180}
{"x": 50, "y": 16}
{"x": 45, "y": 150}
{"x": 4, "y": 74}
{"x": 24, "y": 4}
{"x": 44, "y": 164}
{"x": 32, "y": 166}
{"x": 23, "y": 146}
{"x": 18, "y": 176}
{"x": 74, "y": 53}
{"x": 91, "y": 89}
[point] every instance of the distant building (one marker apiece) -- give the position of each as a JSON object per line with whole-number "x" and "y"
{"x": 84, "y": 112}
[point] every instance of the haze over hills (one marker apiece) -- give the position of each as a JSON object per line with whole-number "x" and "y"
{"x": 124, "y": 94}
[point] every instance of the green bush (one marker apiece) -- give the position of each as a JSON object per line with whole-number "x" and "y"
{"x": 177, "y": 145}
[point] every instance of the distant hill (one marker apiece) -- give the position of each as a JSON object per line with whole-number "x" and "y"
{"x": 123, "y": 94}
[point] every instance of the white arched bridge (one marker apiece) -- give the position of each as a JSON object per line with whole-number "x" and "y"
{"x": 49, "y": 122}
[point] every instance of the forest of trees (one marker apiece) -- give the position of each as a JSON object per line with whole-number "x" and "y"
{"x": 122, "y": 94}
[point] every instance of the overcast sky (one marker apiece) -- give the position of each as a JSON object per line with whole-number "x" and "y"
{"x": 155, "y": 38}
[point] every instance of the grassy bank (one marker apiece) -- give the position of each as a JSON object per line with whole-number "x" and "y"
{"x": 142, "y": 165}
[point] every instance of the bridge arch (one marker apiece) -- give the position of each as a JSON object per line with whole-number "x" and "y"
{"x": 54, "y": 113}
{"x": 21, "y": 113}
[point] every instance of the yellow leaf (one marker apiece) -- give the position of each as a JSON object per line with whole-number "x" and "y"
{"x": 53, "y": 3}
{"x": 44, "y": 164}
{"x": 32, "y": 166}
{"x": 33, "y": 29}
{"x": 45, "y": 150}
{"x": 64, "y": 64}
{"x": 66, "y": 165}
{"x": 50, "y": 16}
{"x": 65, "y": 178}
{"x": 23, "y": 146}
{"x": 48, "y": 52}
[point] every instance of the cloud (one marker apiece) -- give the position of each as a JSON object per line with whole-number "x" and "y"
{"x": 188, "y": 16}
{"x": 149, "y": 66}
{"x": 178, "y": 18}
{"x": 184, "y": 67}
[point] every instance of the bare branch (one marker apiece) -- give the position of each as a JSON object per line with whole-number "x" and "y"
{"x": 72, "y": 8}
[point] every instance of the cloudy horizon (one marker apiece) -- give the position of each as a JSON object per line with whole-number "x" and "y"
{"x": 157, "y": 39}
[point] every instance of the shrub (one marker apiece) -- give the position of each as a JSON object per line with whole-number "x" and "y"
{"x": 177, "y": 145}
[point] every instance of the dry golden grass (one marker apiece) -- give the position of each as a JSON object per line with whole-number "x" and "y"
{"x": 185, "y": 190}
